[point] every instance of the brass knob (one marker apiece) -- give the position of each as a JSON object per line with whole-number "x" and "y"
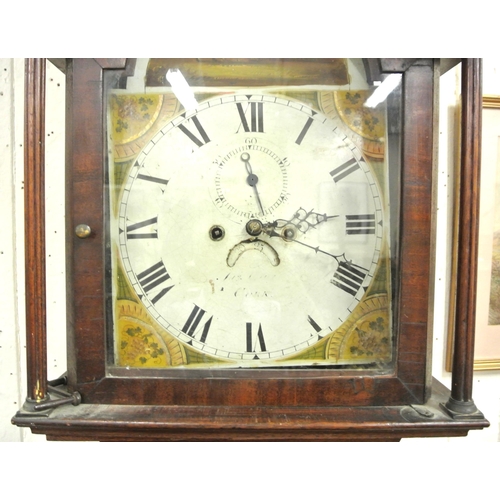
{"x": 83, "y": 231}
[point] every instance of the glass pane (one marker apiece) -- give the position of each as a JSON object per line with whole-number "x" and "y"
{"x": 253, "y": 213}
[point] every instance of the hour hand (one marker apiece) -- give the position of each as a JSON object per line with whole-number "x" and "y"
{"x": 304, "y": 220}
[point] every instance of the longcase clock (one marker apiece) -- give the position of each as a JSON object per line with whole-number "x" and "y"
{"x": 249, "y": 251}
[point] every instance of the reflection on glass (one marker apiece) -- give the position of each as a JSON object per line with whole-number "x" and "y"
{"x": 250, "y": 227}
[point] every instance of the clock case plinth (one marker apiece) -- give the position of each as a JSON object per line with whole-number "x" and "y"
{"x": 242, "y": 423}
{"x": 291, "y": 405}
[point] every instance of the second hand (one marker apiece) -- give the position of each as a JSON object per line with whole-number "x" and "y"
{"x": 252, "y": 179}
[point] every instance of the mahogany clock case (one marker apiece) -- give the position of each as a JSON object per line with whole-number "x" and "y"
{"x": 386, "y": 398}
{"x": 404, "y": 380}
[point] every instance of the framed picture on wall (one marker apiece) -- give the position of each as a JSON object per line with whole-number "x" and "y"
{"x": 487, "y": 345}
{"x": 487, "y": 338}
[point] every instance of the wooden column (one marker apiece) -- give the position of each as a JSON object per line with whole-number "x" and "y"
{"x": 34, "y": 206}
{"x": 460, "y": 403}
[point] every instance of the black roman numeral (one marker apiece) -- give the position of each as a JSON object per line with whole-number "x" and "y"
{"x": 139, "y": 225}
{"x": 203, "y": 137}
{"x": 304, "y": 130}
{"x": 344, "y": 170}
{"x": 349, "y": 277}
{"x": 194, "y": 320}
{"x": 314, "y": 324}
{"x": 152, "y": 278}
{"x": 360, "y": 224}
{"x": 150, "y": 178}
{"x": 256, "y": 117}
{"x": 250, "y": 340}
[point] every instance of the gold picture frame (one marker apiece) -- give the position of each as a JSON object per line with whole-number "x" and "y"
{"x": 487, "y": 338}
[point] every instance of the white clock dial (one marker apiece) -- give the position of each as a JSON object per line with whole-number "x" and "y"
{"x": 203, "y": 274}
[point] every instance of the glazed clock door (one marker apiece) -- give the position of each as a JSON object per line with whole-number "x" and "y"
{"x": 249, "y": 244}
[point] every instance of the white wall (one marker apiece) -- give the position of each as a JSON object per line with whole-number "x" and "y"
{"x": 13, "y": 387}
{"x": 12, "y": 328}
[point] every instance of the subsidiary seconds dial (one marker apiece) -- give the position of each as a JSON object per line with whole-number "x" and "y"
{"x": 259, "y": 161}
{"x": 251, "y": 179}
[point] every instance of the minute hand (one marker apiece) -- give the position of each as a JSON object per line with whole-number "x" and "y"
{"x": 274, "y": 234}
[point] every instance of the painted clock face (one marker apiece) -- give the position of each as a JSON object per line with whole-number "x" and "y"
{"x": 250, "y": 228}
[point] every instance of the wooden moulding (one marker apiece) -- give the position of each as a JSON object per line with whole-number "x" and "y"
{"x": 34, "y": 206}
{"x": 461, "y": 404}
{"x": 237, "y": 423}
